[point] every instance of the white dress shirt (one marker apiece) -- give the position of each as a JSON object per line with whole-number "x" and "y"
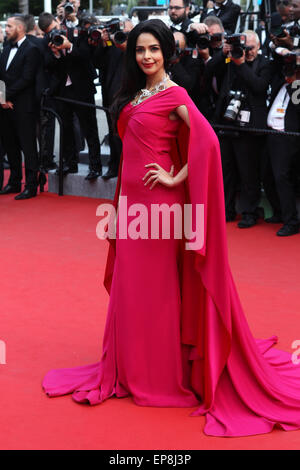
{"x": 13, "y": 52}
{"x": 278, "y": 109}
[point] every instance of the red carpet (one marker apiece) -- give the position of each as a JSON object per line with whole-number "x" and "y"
{"x": 53, "y": 307}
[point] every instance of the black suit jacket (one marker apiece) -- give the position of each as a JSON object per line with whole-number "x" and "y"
{"x": 207, "y": 96}
{"x": 292, "y": 115}
{"x": 41, "y": 79}
{"x": 253, "y": 80}
{"x": 228, "y": 14}
{"x": 77, "y": 65}
{"x": 187, "y": 72}
{"x": 20, "y": 76}
{"x": 109, "y": 61}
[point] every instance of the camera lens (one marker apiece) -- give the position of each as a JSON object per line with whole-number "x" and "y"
{"x": 57, "y": 40}
{"x": 120, "y": 37}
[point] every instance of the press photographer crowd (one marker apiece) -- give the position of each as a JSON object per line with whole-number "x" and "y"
{"x": 244, "y": 83}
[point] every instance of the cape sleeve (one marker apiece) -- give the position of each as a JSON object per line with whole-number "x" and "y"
{"x": 205, "y": 277}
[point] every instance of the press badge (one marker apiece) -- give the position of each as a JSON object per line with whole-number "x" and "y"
{"x": 280, "y": 112}
{"x": 244, "y": 116}
{"x": 195, "y": 54}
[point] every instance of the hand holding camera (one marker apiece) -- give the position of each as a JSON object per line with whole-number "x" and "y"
{"x": 238, "y": 58}
{"x": 59, "y": 43}
{"x": 284, "y": 40}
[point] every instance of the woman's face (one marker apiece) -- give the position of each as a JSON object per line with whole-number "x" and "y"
{"x": 148, "y": 54}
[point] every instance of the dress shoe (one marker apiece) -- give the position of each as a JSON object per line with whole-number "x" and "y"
{"x": 275, "y": 219}
{"x": 247, "y": 221}
{"x": 110, "y": 174}
{"x": 287, "y": 230}
{"x": 93, "y": 174}
{"x": 50, "y": 166}
{"x": 26, "y": 194}
{"x": 8, "y": 189}
{"x": 68, "y": 169}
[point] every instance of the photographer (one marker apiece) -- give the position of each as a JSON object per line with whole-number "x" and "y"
{"x": 211, "y": 52}
{"x": 227, "y": 11}
{"x": 179, "y": 21}
{"x": 72, "y": 77}
{"x": 69, "y": 13}
{"x": 108, "y": 58}
{"x": 287, "y": 35}
{"x": 187, "y": 66}
{"x": 45, "y": 121}
{"x": 282, "y": 152}
{"x": 242, "y": 103}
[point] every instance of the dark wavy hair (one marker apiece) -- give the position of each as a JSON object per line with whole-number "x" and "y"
{"x": 133, "y": 79}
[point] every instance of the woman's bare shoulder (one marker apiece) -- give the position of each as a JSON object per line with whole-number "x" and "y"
{"x": 171, "y": 83}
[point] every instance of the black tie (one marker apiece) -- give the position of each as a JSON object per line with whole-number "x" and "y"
{"x": 14, "y": 44}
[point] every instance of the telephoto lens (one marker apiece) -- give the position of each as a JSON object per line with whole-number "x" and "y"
{"x": 69, "y": 8}
{"x": 56, "y": 37}
{"x": 234, "y": 106}
{"x": 120, "y": 37}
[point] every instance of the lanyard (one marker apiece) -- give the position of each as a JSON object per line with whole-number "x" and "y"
{"x": 284, "y": 98}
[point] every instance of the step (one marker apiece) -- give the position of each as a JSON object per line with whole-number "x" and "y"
{"x": 75, "y": 184}
{"x": 105, "y": 155}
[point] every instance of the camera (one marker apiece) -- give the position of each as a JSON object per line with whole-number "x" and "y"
{"x": 112, "y": 26}
{"x": 194, "y": 10}
{"x": 238, "y": 43}
{"x": 293, "y": 31}
{"x": 120, "y": 37}
{"x": 291, "y": 63}
{"x": 56, "y": 36}
{"x": 233, "y": 109}
{"x": 203, "y": 41}
{"x": 278, "y": 31}
{"x": 69, "y": 8}
{"x": 94, "y": 33}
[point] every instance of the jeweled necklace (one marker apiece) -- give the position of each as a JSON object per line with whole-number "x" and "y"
{"x": 145, "y": 93}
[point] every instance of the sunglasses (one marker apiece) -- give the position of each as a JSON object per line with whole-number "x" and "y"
{"x": 283, "y": 2}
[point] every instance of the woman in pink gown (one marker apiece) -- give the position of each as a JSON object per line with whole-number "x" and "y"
{"x": 176, "y": 334}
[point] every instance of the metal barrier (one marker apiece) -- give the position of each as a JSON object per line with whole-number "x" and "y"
{"x": 222, "y": 130}
{"x": 61, "y": 136}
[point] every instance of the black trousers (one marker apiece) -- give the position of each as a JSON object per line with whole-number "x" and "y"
{"x": 46, "y": 133}
{"x": 240, "y": 164}
{"x": 279, "y": 176}
{"x": 18, "y": 132}
{"x": 88, "y": 124}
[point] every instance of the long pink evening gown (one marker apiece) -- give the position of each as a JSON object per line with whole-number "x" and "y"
{"x": 176, "y": 334}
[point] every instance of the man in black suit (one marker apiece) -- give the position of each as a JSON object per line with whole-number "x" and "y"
{"x": 45, "y": 120}
{"x": 185, "y": 69}
{"x": 108, "y": 57}
{"x": 283, "y": 152}
{"x": 179, "y": 21}
{"x": 227, "y": 11}
{"x": 72, "y": 77}
{"x": 214, "y": 68}
{"x": 19, "y": 63}
{"x": 249, "y": 74}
